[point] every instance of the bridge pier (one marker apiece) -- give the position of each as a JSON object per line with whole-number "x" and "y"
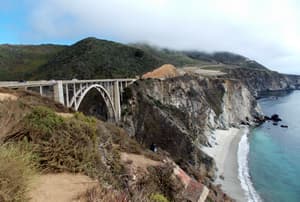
{"x": 117, "y": 100}
{"x": 59, "y": 92}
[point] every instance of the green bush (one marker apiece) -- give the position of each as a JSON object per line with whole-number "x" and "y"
{"x": 158, "y": 198}
{"x": 61, "y": 144}
{"x": 16, "y": 171}
{"x": 43, "y": 120}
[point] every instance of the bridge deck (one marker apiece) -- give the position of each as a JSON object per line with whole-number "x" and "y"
{"x": 16, "y": 84}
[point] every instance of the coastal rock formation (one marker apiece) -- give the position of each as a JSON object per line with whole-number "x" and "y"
{"x": 177, "y": 114}
{"x": 261, "y": 80}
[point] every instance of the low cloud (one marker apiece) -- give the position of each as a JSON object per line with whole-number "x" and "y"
{"x": 267, "y": 31}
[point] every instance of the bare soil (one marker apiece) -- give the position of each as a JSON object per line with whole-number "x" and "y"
{"x": 63, "y": 187}
{"x": 139, "y": 161}
{"x": 7, "y": 96}
{"x": 165, "y": 71}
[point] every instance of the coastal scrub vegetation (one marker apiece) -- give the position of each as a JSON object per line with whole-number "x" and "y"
{"x": 61, "y": 144}
{"x": 38, "y": 140}
{"x": 16, "y": 172}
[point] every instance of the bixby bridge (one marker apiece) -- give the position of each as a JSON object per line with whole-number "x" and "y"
{"x": 71, "y": 93}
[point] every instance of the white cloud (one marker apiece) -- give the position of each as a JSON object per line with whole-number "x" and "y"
{"x": 265, "y": 30}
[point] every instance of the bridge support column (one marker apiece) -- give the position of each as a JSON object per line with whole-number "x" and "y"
{"x": 59, "y": 92}
{"x": 116, "y": 100}
{"x": 41, "y": 90}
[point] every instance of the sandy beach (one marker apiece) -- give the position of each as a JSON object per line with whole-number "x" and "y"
{"x": 224, "y": 150}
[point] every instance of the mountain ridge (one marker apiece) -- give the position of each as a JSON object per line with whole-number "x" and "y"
{"x": 93, "y": 58}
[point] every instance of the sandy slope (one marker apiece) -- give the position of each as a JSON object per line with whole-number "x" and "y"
{"x": 165, "y": 71}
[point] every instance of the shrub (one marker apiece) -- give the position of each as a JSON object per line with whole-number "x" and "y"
{"x": 121, "y": 138}
{"x": 158, "y": 198}
{"x": 160, "y": 180}
{"x": 43, "y": 120}
{"x": 61, "y": 144}
{"x": 16, "y": 172}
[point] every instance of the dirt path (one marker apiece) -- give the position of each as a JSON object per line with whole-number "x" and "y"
{"x": 61, "y": 187}
{"x": 7, "y": 96}
{"x": 65, "y": 115}
{"x": 139, "y": 160}
{"x": 204, "y": 72}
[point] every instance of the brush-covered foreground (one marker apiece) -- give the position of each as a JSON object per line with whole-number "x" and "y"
{"x": 35, "y": 139}
{"x": 39, "y": 137}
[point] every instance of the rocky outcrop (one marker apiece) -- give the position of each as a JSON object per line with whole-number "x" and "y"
{"x": 177, "y": 113}
{"x": 262, "y": 80}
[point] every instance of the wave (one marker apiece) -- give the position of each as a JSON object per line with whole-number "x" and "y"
{"x": 244, "y": 176}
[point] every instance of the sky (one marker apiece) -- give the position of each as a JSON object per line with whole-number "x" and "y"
{"x": 267, "y": 31}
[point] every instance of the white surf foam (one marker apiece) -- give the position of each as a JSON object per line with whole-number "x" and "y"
{"x": 244, "y": 176}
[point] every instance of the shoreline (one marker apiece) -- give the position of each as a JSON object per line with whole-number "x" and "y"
{"x": 224, "y": 150}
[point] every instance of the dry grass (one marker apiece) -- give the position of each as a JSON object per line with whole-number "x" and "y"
{"x": 160, "y": 180}
{"x": 130, "y": 145}
{"x": 121, "y": 138}
{"x": 13, "y": 111}
{"x": 16, "y": 172}
{"x": 75, "y": 144}
{"x": 100, "y": 194}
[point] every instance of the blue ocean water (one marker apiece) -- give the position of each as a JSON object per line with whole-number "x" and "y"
{"x": 274, "y": 156}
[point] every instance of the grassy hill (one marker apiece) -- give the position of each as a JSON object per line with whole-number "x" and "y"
{"x": 219, "y": 60}
{"x": 176, "y": 58}
{"x": 226, "y": 58}
{"x": 95, "y": 58}
{"x": 17, "y": 60}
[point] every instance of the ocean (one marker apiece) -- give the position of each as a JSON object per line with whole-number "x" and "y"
{"x": 269, "y": 157}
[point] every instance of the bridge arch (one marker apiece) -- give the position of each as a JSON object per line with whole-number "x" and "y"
{"x": 104, "y": 94}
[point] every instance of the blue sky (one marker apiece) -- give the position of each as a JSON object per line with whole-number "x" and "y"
{"x": 16, "y": 25}
{"x": 264, "y": 30}
{"x": 12, "y": 21}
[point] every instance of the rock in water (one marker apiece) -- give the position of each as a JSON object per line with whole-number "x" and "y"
{"x": 283, "y": 126}
{"x": 275, "y": 117}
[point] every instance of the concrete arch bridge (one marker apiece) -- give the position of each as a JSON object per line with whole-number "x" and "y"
{"x": 77, "y": 94}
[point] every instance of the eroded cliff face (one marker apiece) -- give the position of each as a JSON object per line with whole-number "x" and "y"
{"x": 263, "y": 80}
{"x": 178, "y": 113}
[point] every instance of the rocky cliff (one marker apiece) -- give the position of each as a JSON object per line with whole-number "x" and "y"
{"x": 261, "y": 80}
{"x": 177, "y": 113}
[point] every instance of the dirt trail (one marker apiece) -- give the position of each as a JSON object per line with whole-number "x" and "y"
{"x": 7, "y": 96}
{"x": 139, "y": 160}
{"x": 61, "y": 187}
{"x": 65, "y": 115}
{"x": 204, "y": 72}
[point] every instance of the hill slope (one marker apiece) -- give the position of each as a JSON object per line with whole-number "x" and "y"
{"x": 17, "y": 60}
{"x": 94, "y": 58}
{"x": 201, "y": 59}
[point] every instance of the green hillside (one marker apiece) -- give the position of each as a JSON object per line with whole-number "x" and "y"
{"x": 94, "y": 58}
{"x": 226, "y": 58}
{"x": 17, "y": 60}
{"x": 219, "y": 60}
{"x": 177, "y": 58}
